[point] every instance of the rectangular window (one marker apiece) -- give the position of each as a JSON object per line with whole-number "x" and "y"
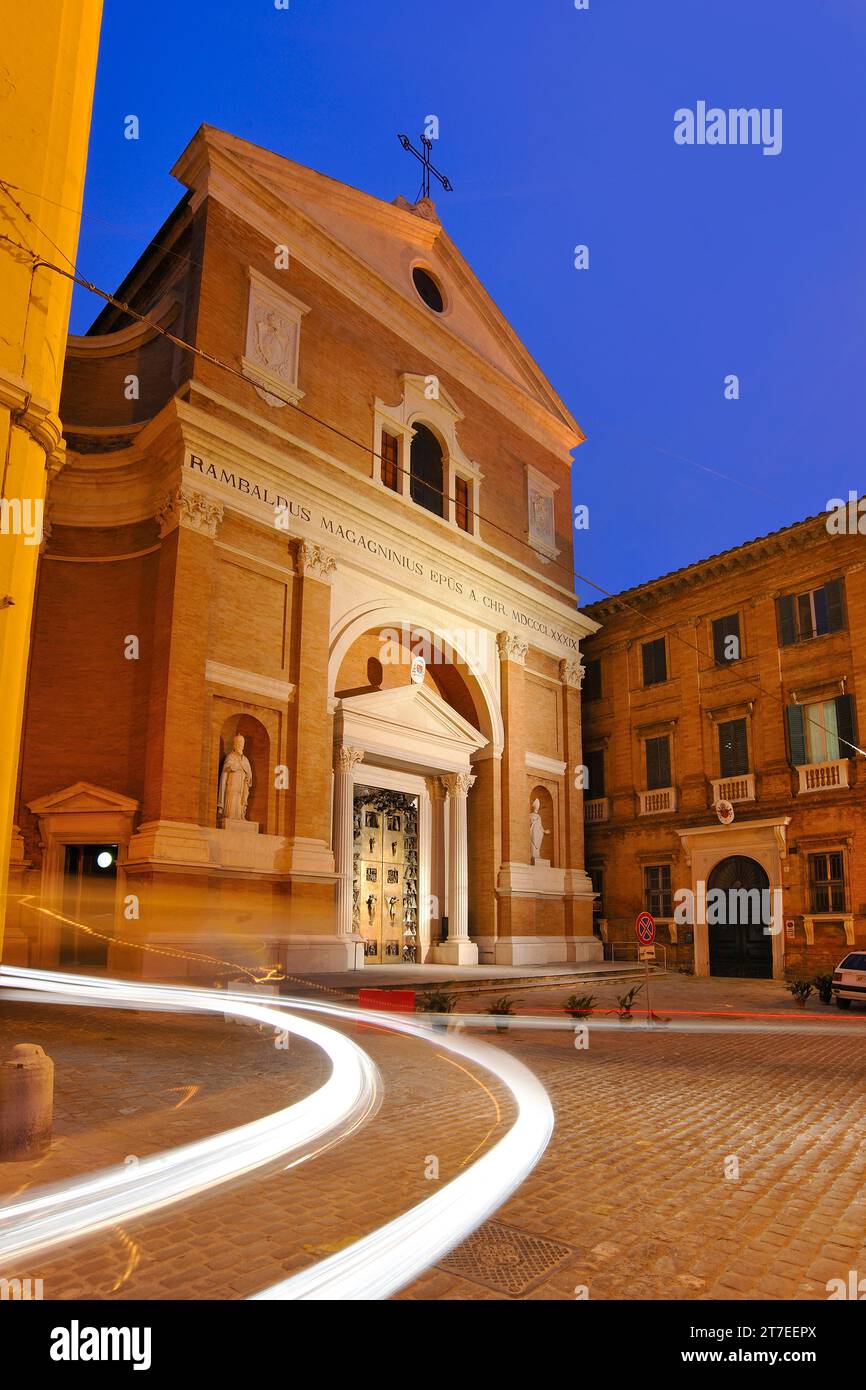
{"x": 462, "y": 514}
{"x": 733, "y": 748}
{"x": 390, "y": 464}
{"x": 822, "y": 732}
{"x": 827, "y": 882}
{"x": 658, "y": 763}
{"x": 811, "y": 614}
{"x": 726, "y": 639}
{"x": 657, "y": 897}
{"x": 592, "y": 680}
{"x": 594, "y": 762}
{"x": 655, "y": 666}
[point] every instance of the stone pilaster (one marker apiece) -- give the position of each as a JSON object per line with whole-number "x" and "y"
{"x": 458, "y": 949}
{"x": 173, "y": 790}
{"x": 512, "y": 655}
{"x": 311, "y": 734}
{"x": 346, "y": 761}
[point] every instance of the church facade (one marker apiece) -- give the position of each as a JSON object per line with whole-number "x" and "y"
{"x": 306, "y": 669}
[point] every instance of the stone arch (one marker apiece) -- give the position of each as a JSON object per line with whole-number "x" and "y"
{"x": 375, "y": 617}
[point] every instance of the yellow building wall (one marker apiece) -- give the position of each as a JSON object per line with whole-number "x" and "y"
{"x": 47, "y": 75}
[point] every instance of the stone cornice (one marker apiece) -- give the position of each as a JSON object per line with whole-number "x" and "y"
{"x": 34, "y": 415}
{"x": 798, "y": 537}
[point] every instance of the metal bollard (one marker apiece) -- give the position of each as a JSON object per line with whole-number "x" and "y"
{"x": 26, "y": 1103}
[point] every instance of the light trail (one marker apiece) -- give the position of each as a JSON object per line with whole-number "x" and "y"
{"x": 113, "y": 1196}
{"x": 371, "y": 1268}
{"x": 378, "y": 1264}
{"x": 381, "y": 1263}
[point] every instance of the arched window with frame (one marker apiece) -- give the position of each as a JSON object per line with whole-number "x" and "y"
{"x": 427, "y": 471}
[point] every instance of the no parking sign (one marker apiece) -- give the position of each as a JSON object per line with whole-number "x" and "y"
{"x": 645, "y": 927}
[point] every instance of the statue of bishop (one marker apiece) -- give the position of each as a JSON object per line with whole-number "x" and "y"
{"x": 236, "y": 780}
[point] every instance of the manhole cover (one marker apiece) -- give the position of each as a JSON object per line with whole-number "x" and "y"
{"x": 505, "y": 1259}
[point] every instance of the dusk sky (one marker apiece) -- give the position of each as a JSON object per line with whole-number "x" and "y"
{"x": 557, "y": 129}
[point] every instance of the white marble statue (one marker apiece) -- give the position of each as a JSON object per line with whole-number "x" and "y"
{"x": 236, "y": 780}
{"x": 537, "y": 831}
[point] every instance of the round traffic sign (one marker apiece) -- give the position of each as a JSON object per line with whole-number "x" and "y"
{"x": 645, "y": 928}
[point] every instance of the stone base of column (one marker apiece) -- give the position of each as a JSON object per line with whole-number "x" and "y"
{"x": 455, "y": 952}
{"x": 321, "y": 955}
{"x": 539, "y": 950}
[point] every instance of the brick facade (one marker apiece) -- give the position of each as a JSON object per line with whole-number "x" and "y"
{"x": 238, "y": 531}
{"x": 792, "y": 806}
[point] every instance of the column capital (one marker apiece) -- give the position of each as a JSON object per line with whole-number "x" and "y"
{"x": 512, "y": 648}
{"x": 193, "y": 510}
{"x": 314, "y": 562}
{"x": 347, "y": 758}
{"x": 571, "y": 673}
{"x": 458, "y": 783}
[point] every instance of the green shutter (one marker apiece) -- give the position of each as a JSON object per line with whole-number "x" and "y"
{"x": 835, "y": 606}
{"x": 786, "y": 614}
{"x": 845, "y": 725}
{"x": 796, "y": 735}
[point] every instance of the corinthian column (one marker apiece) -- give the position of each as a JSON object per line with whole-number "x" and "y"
{"x": 346, "y": 761}
{"x": 458, "y": 949}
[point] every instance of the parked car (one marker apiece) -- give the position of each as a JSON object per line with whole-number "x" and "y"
{"x": 849, "y": 980}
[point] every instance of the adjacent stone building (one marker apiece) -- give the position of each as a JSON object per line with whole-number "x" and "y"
{"x": 306, "y": 661}
{"x": 721, "y": 712}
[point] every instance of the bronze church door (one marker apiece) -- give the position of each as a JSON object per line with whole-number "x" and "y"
{"x": 385, "y": 874}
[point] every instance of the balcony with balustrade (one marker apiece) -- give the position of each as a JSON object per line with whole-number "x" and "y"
{"x": 733, "y": 789}
{"x": 823, "y": 777}
{"x": 657, "y": 801}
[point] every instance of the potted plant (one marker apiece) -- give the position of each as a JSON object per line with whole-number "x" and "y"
{"x": 824, "y": 986}
{"x": 625, "y": 1001}
{"x": 580, "y": 1005}
{"x": 502, "y": 1007}
{"x": 801, "y": 989}
{"x": 436, "y": 1001}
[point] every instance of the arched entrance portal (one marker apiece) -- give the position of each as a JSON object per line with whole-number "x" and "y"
{"x": 739, "y": 907}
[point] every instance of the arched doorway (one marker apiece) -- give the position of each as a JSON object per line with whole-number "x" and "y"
{"x": 427, "y": 472}
{"x": 738, "y": 909}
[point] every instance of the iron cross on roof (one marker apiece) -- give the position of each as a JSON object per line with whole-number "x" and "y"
{"x": 429, "y": 169}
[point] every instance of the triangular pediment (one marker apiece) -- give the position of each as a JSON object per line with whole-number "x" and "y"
{"x": 81, "y": 797}
{"x": 386, "y": 238}
{"x": 410, "y": 723}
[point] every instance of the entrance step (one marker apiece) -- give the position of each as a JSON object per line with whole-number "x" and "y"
{"x": 473, "y": 979}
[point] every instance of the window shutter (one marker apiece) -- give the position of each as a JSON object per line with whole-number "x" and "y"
{"x": 654, "y": 662}
{"x": 845, "y": 725}
{"x": 461, "y": 503}
{"x": 733, "y": 748}
{"x": 796, "y": 735}
{"x": 723, "y": 628}
{"x": 787, "y": 620}
{"x": 390, "y": 468}
{"x": 658, "y": 763}
{"x": 835, "y": 605}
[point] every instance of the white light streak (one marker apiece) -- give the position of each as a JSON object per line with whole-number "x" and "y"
{"x": 118, "y": 1195}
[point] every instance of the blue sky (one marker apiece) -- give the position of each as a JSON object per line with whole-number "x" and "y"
{"x": 556, "y": 128}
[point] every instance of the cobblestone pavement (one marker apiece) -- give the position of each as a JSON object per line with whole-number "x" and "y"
{"x": 685, "y": 1165}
